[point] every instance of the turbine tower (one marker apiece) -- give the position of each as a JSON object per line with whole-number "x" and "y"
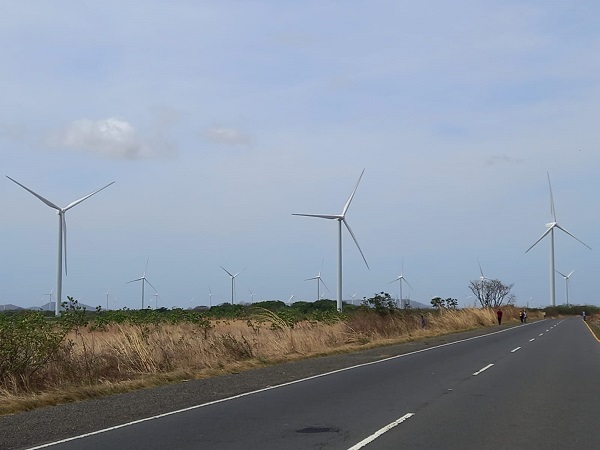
{"x": 341, "y": 218}
{"x": 144, "y": 280}
{"x": 62, "y": 236}
{"x": 567, "y": 282}
{"x": 232, "y": 276}
{"x": 551, "y": 226}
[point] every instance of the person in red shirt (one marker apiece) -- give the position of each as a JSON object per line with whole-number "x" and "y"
{"x": 499, "y": 314}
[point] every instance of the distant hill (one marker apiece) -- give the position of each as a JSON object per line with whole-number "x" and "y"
{"x": 50, "y": 307}
{"x": 9, "y": 307}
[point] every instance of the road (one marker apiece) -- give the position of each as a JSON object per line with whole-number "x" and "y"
{"x": 532, "y": 386}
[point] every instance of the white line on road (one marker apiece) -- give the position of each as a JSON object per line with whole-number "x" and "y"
{"x": 381, "y": 431}
{"x": 541, "y": 334}
{"x": 482, "y": 370}
{"x": 515, "y": 349}
{"x": 532, "y": 339}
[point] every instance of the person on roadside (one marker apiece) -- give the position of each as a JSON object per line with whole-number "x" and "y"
{"x": 524, "y": 316}
{"x": 583, "y": 315}
{"x": 521, "y": 315}
{"x": 499, "y": 314}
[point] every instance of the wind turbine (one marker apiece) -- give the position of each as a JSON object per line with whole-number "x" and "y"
{"x": 232, "y": 276}
{"x": 50, "y": 298}
{"x": 567, "y": 282}
{"x": 319, "y": 281}
{"x": 62, "y": 235}
{"x": 551, "y": 226}
{"x": 290, "y": 300}
{"x": 144, "y": 280}
{"x": 401, "y": 279}
{"x": 353, "y": 296}
{"x": 341, "y": 218}
{"x": 251, "y": 296}
{"x": 209, "y": 298}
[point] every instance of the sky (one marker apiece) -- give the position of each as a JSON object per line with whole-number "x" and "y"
{"x": 219, "y": 120}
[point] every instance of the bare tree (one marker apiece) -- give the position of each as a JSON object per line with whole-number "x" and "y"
{"x": 491, "y": 293}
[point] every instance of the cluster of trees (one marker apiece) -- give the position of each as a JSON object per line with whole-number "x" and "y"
{"x": 448, "y": 303}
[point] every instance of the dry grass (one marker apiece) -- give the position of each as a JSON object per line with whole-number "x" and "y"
{"x": 125, "y": 357}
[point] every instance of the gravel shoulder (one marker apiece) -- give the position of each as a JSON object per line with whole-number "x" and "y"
{"x": 62, "y": 421}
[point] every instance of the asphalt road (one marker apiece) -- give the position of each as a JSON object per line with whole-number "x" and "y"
{"x": 530, "y": 386}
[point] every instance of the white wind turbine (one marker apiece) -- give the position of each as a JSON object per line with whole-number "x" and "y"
{"x": 401, "y": 279}
{"x": 49, "y": 294}
{"x": 319, "y": 281}
{"x": 144, "y": 280}
{"x": 551, "y": 226}
{"x": 209, "y": 298}
{"x": 62, "y": 235}
{"x": 353, "y": 296}
{"x": 232, "y": 276}
{"x": 341, "y": 218}
{"x": 252, "y": 295}
{"x": 567, "y": 282}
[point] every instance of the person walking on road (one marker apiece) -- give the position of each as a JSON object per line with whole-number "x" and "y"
{"x": 499, "y": 314}
{"x": 583, "y": 314}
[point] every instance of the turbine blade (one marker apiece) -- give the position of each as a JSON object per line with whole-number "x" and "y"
{"x": 150, "y": 285}
{"x": 146, "y": 269}
{"x": 47, "y": 202}
{"x": 356, "y": 242}
{"x": 228, "y": 272}
{"x": 313, "y": 278}
{"x": 321, "y": 280}
{"x": 552, "y": 210}
{"x": 562, "y": 274}
{"x": 480, "y": 270}
{"x": 347, "y": 205}
{"x": 133, "y": 281}
{"x": 573, "y": 236}
{"x": 406, "y": 282}
{"x": 76, "y": 202}
{"x": 570, "y": 273}
{"x": 321, "y": 216}
{"x": 541, "y": 237}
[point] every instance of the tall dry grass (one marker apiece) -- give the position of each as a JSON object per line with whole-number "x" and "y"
{"x": 121, "y": 356}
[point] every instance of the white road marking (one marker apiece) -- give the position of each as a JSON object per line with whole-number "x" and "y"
{"x": 381, "y": 431}
{"x": 482, "y": 370}
{"x": 547, "y": 331}
{"x": 532, "y": 339}
{"x": 541, "y": 334}
{"x": 258, "y": 391}
{"x": 515, "y": 349}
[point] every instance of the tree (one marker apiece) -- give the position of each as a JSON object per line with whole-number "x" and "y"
{"x": 383, "y": 303}
{"x": 448, "y": 303}
{"x": 491, "y": 293}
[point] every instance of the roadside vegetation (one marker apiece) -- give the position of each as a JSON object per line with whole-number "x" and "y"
{"x": 82, "y": 354}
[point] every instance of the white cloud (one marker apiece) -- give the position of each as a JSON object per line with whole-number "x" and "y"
{"x": 110, "y": 138}
{"x": 228, "y": 136}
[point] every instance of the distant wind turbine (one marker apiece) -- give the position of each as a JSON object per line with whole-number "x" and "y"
{"x": 62, "y": 235}
{"x": 319, "y": 281}
{"x": 209, "y": 298}
{"x": 251, "y": 296}
{"x": 551, "y": 226}
{"x": 341, "y": 218}
{"x": 401, "y": 279}
{"x": 50, "y": 299}
{"x": 144, "y": 280}
{"x": 567, "y": 282}
{"x": 232, "y": 276}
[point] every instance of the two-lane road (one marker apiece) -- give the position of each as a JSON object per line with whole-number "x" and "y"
{"x": 529, "y": 386}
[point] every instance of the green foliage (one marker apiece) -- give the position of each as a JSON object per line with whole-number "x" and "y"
{"x": 571, "y": 310}
{"x": 382, "y": 303}
{"x": 27, "y": 342}
{"x": 448, "y": 303}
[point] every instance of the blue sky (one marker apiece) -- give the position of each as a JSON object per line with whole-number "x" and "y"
{"x": 218, "y": 120}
